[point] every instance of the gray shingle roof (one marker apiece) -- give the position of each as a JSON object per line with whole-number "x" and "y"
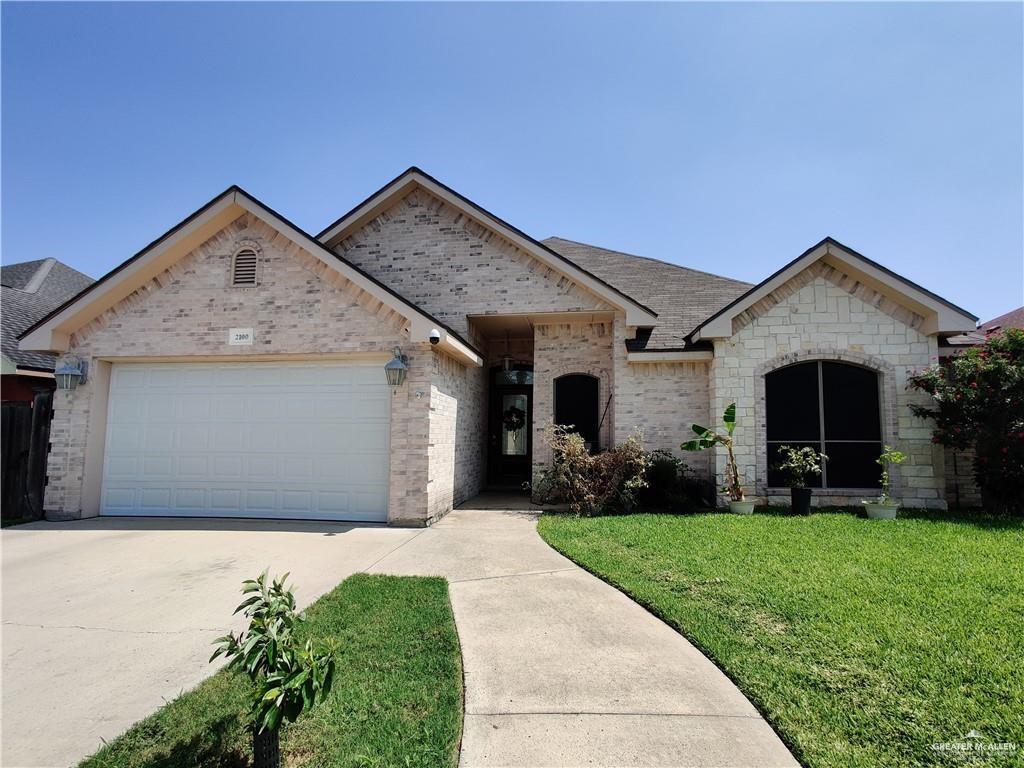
{"x": 30, "y": 290}
{"x": 682, "y": 297}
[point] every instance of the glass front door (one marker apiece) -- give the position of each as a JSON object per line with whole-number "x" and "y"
{"x": 510, "y": 429}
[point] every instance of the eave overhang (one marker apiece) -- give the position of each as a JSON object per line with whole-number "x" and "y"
{"x": 941, "y": 317}
{"x": 53, "y": 332}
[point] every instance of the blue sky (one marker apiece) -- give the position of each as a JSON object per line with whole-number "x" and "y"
{"x": 725, "y": 137}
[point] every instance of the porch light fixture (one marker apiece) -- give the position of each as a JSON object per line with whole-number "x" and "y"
{"x": 70, "y": 374}
{"x": 396, "y": 368}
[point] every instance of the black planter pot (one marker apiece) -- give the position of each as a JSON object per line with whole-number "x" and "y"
{"x": 266, "y": 751}
{"x": 801, "y": 500}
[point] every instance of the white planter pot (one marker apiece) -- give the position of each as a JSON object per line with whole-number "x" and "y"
{"x": 741, "y": 507}
{"x": 878, "y": 511}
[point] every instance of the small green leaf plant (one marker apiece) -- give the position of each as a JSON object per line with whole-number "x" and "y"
{"x": 289, "y": 677}
{"x": 800, "y": 463}
{"x": 888, "y": 457}
{"x": 706, "y": 438}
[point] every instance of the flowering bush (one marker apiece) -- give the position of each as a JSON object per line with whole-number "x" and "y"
{"x": 591, "y": 484}
{"x": 978, "y": 402}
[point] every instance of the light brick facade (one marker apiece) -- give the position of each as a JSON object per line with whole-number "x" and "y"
{"x": 433, "y": 254}
{"x": 821, "y": 315}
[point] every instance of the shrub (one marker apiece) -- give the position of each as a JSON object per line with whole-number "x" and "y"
{"x": 288, "y": 677}
{"x": 671, "y": 485}
{"x": 591, "y": 484}
{"x": 978, "y": 402}
{"x": 800, "y": 463}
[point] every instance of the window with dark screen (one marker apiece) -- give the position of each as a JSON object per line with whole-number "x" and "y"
{"x": 576, "y": 405}
{"x": 833, "y": 408}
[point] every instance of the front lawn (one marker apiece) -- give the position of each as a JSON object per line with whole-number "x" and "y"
{"x": 862, "y": 642}
{"x": 396, "y": 700}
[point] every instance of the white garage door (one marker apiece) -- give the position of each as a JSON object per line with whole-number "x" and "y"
{"x": 273, "y": 440}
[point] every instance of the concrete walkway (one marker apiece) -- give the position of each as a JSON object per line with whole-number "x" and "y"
{"x": 562, "y": 669}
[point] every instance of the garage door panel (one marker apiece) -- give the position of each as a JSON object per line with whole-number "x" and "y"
{"x": 248, "y": 439}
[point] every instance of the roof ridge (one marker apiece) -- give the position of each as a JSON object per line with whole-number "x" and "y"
{"x": 648, "y": 258}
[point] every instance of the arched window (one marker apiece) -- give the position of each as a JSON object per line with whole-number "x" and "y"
{"x": 576, "y": 404}
{"x": 243, "y": 267}
{"x": 832, "y": 407}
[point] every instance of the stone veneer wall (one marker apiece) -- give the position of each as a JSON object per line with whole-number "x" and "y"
{"x": 452, "y": 267}
{"x": 564, "y": 348}
{"x": 300, "y": 306}
{"x": 823, "y": 315}
{"x": 458, "y": 429}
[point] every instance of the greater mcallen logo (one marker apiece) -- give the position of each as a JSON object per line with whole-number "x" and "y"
{"x": 975, "y": 744}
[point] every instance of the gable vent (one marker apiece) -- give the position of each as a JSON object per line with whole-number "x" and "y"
{"x": 243, "y": 267}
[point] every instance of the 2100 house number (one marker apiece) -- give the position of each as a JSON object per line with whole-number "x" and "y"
{"x": 240, "y": 336}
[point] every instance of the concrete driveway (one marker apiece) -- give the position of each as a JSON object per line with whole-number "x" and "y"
{"x": 106, "y": 619}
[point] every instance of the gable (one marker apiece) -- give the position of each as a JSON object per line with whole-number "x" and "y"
{"x": 453, "y": 267}
{"x": 637, "y": 314}
{"x": 822, "y": 273}
{"x": 53, "y": 333}
{"x": 298, "y": 306}
{"x": 858, "y": 274}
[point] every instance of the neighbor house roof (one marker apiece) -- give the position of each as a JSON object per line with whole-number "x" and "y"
{"x": 1012, "y": 319}
{"x": 681, "y": 296}
{"x": 29, "y": 291}
{"x": 53, "y": 331}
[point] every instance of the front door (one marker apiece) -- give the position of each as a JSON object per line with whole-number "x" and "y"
{"x": 511, "y": 433}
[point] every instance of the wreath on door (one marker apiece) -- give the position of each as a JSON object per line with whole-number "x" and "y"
{"x": 514, "y": 418}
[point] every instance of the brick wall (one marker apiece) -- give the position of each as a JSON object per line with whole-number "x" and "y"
{"x": 661, "y": 400}
{"x": 452, "y": 267}
{"x": 301, "y": 306}
{"x": 561, "y": 349}
{"x": 458, "y": 428}
{"x": 823, "y": 314}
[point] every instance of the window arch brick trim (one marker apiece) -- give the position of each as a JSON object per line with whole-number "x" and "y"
{"x": 886, "y": 405}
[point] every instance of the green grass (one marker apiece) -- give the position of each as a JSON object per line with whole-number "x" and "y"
{"x": 862, "y": 642}
{"x": 396, "y": 699}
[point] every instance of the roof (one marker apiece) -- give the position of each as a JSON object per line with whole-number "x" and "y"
{"x": 1012, "y": 319}
{"x": 681, "y": 296}
{"x": 945, "y": 317}
{"x": 52, "y": 331}
{"x": 30, "y": 290}
{"x": 637, "y": 313}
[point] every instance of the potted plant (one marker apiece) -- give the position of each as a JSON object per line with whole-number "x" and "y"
{"x": 288, "y": 677}
{"x": 885, "y": 507}
{"x": 799, "y": 464}
{"x": 707, "y": 438}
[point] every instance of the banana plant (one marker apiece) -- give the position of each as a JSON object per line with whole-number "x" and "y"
{"x": 707, "y": 438}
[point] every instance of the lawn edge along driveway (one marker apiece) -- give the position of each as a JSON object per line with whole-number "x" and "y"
{"x": 396, "y": 700}
{"x": 862, "y": 642}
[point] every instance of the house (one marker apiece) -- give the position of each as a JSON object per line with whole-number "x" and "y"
{"x": 1012, "y": 319}
{"x": 28, "y": 291}
{"x": 236, "y": 365}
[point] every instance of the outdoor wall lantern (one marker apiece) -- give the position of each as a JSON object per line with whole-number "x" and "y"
{"x": 70, "y": 373}
{"x": 396, "y": 368}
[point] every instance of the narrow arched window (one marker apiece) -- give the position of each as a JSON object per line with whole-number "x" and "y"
{"x": 833, "y": 408}
{"x": 243, "y": 267}
{"x": 577, "y": 405}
